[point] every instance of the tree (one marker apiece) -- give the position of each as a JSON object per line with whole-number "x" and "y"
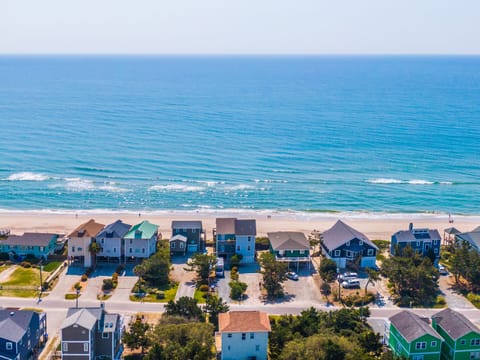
{"x": 373, "y": 276}
{"x": 182, "y": 339}
{"x": 202, "y": 264}
{"x": 328, "y": 270}
{"x": 274, "y": 274}
{"x": 214, "y": 306}
{"x": 314, "y": 239}
{"x": 235, "y": 260}
{"x": 326, "y": 289}
{"x": 137, "y": 337}
{"x": 237, "y": 289}
{"x": 186, "y": 307}
{"x": 94, "y": 248}
{"x": 156, "y": 269}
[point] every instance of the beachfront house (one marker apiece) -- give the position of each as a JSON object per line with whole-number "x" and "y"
{"x": 141, "y": 240}
{"x": 39, "y": 245}
{"x": 290, "y": 247}
{"x": 79, "y": 241}
{"x": 242, "y": 335}
{"x": 22, "y": 334}
{"x": 187, "y": 236}
{"x": 91, "y": 333}
{"x": 233, "y": 236}
{"x": 347, "y": 246}
{"x": 111, "y": 241}
{"x": 423, "y": 241}
{"x": 471, "y": 237}
{"x": 412, "y": 337}
{"x": 462, "y": 337}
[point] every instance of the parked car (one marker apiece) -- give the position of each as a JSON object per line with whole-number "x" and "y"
{"x": 351, "y": 283}
{"x": 292, "y": 275}
{"x": 442, "y": 270}
{"x": 348, "y": 275}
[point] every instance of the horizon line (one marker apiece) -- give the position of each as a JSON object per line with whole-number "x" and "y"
{"x": 246, "y": 54}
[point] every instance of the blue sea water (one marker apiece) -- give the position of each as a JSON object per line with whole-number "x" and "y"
{"x": 373, "y": 134}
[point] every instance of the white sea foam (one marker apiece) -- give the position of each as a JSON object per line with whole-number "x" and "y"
{"x": 238, "y": 187}
{"x": 27, "y": 176}
{"x": 112, "y": 188}
{"x": 421, "y": 182}
{"x": 176, "y": 187}
{"x": 446, "y": 183}
{"x": 78, "y": 185}
{"x": 385, "y": 181}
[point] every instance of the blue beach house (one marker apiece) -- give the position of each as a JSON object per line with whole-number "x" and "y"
{"x": 38, "y": 244}
{"x": 423, "y": 241}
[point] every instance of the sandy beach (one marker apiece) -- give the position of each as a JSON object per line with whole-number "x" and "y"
{"x": 375, "y": 227}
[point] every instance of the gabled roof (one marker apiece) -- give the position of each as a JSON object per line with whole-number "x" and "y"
{"x": 110, "y": 322}
{"x": 186, "y": 224}
{"x": 412, "y": 326}
{"x": 117, "y": 229}
{"x": 146, "y": 229}
{"x": 288, "y": 240}
{"x": 84, "y": 317}
{"x": 341, "y": 233}
{"x": 244, "y": 321}
{"x": 455, "y": 324}
{"x": 235, "y": 226}
{"x": 452, "y": 231}
{"x": 473, "y": 237}
{"x": 88, "y": 229}
{"x": 14, "y": 324}
{"x": 417, "y": 235}
{"x": 31, "y": 239}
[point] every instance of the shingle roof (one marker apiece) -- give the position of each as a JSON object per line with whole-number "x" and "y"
{"x": 452, "y": 231}
{"x": 13, "y": 327}
{"x": 87, "y": 229}
{"x": 85, "y": 317}
{"x": 472, "y": 237}
{"x": 146, "y": 229}
{"x": 235, "y": 226}
{"x": 186, "y": 224}
{"x": 455, "y": 324}
{"x": 412, "y": 326}
{"x": 243, "y": 321}
{"x": 288, "y": 240}
{"x": 408, "y": 236}
{"x": 118, "y": 229}
{"x": 110, "y": 322}
{"x": 30, "y": 239}
{"x": 340, "y": 233}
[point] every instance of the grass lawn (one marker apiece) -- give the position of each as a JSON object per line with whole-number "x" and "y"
{"x": 169, "y": 290}
{"x": 71, "y": 296}
{"x": 52, "y": 266}
{"x": 4, "y": 267}
{"x": 19, "y": 293}
{"x": 23, "y": 277}
{"x": 199, "y": 296}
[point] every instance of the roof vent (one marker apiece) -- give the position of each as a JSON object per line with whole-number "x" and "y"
{"x": 12, "y": 313}
{"x": 410, "y": 227}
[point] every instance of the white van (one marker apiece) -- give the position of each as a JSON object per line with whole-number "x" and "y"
{"x": 351, "y": 283}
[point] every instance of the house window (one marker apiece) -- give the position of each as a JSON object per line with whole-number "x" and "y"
{"x": 370, "y": 252}
{"x": 42, "y": 248}
{"x": 182, "y": 245}
{"x": 349, "y": 254}
{"x": 103, "y": 241}
{"x": 85, "y": 347}
{"x": 248, "y": 248}
{"x": 105, "y": 335}
{"x": 79, "y": 249}
{"x": 229, "y": 335}
{"x": 348, "y": 243}
{"x": 475, "y": 342}
{"x": 252, "y": 335}
{"x": 475, "y": 355}
{"x": 421, "y": 345}
{"x": 143, "y": 250}
{"x": 244, "y": 336}
{"x": 257, "y": 347}
{"x": 360, "y": 242}
{"x": 418, "y": 243}
{"x": 130, "y": 250}
{"x": 172, "y": 245}
{"x": 9, "y": 346}
{"x": 435, "y": 250}
{"x": 65, "y": 346}
{"x": 463, "y": 342}
{"x": 249, "y": 238}
{"x": 114, "y": 250}
{"x": 399, "y": 347}
{"x": 228, "y": 347}
{"x": 238, "y": 248}
{"x": 433, "y": 344}
{"x": 337, "y": 253}
{"x": 73, "y": 248}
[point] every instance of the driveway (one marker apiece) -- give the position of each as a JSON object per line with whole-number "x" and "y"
{"x": 453, "y": 299}
{"x": 185, "y": 279}
{"x": 124, "y": 288}
{"x": 304, "y": 291}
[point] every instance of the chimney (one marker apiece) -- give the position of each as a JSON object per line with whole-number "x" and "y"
{"x": 410, "y": 227}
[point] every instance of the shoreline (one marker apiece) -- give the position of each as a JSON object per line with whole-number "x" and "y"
{"x": 374, "y": 225}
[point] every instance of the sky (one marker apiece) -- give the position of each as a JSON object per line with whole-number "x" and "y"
{"x": 240, "y": 27}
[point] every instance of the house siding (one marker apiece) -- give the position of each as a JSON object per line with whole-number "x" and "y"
{"x": 234, "y": 348}
{"x": 350, "y": 250}
{"x": 401, "y": 347}
{"x": 194, "y": 238}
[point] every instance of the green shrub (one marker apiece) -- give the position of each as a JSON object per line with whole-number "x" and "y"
{"x": 474, "y": 299}
{"x": 115, "y": 276}
{"x": 262, "y": 243}
{"x": 237, "y": 289}
{"x": 234, "y": 276}
{"x": 160, "y": 295}
{"x": 4, "y": 256}
{"x": 84, "y": 278}
{"x": 203, "y": 288}
{"x": 107, "y": 285}
{"x": 25, "y": 264}
{"x": 120, "y": 269}
{"x": 440, "y": 301}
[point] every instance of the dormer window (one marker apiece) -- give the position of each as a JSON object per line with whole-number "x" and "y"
{"x": 348, "y": 243}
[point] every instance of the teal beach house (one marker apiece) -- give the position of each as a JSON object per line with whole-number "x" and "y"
{"x": 413, "y": 338}
{"x": 462, "y": 337}
{"x": 39, "y": 245}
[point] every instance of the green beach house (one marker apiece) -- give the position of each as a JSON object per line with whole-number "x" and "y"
{"x": 39, "y": 245}
{"x": 141, "y": 240}
{"x": 290, "y": 247}
{"x": 412, "y": 337}
{"x": 462, "y": 337}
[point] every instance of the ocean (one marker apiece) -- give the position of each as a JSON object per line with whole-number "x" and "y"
{"x": 368, "y": 134}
